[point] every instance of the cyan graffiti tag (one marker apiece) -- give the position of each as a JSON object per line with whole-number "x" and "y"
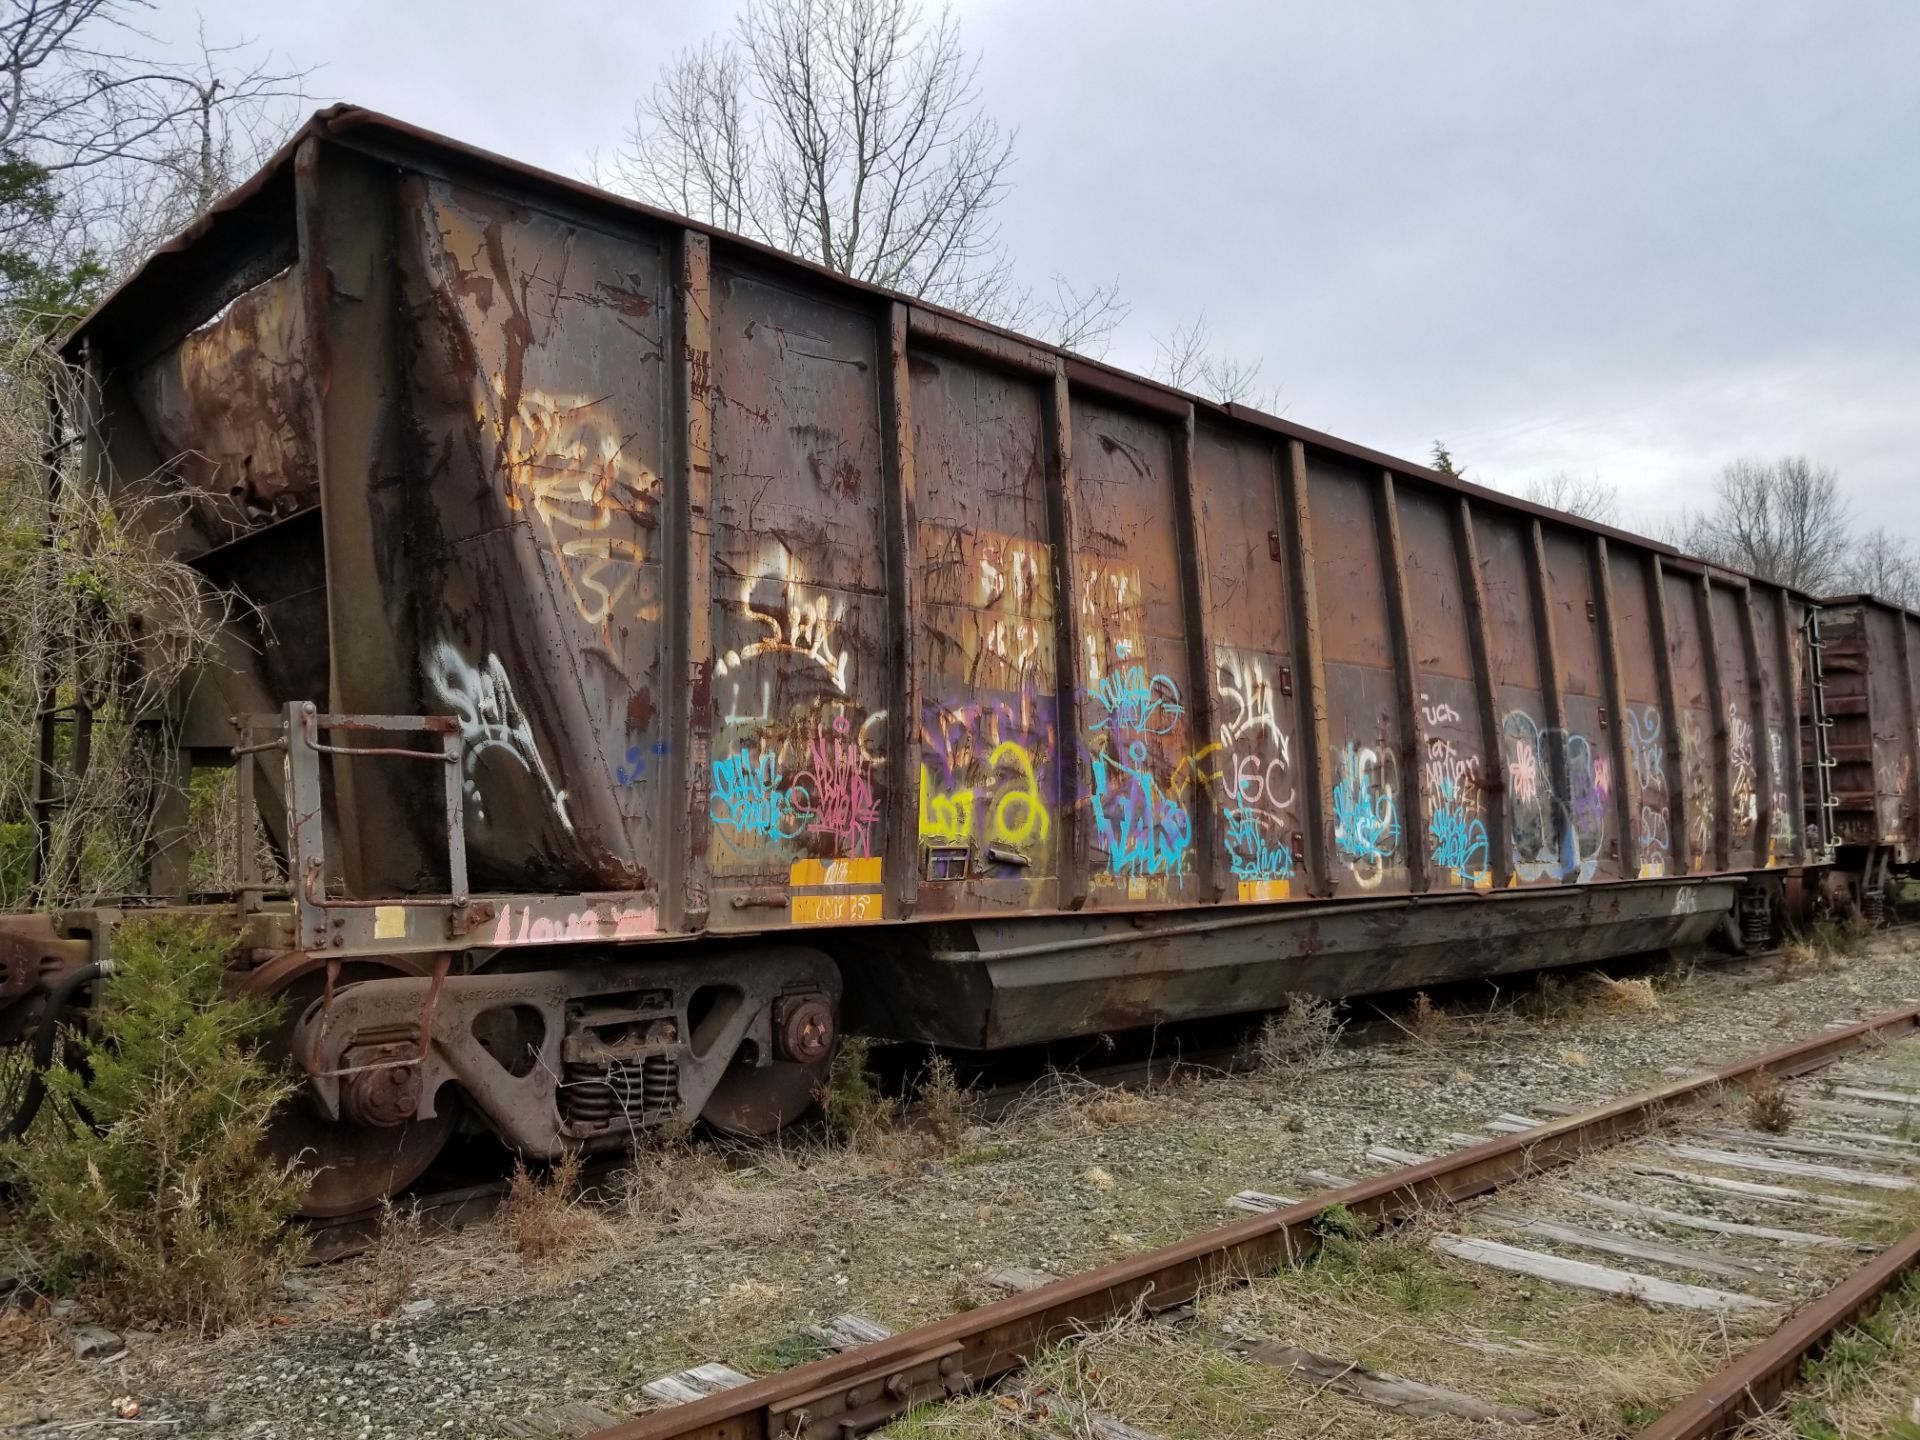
{"x": 1145, "y": 831}
{"x": 750, "y": 798}
{"x": 1459, "y": 837}
{"x": 1255, "y": 849}
{"x": 1136, "y": 704}
{"x": 1366, "y": 828}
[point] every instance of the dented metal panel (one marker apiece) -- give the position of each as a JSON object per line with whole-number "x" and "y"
{"x": 534, "y": 584}
{"x": 227, "y": 406}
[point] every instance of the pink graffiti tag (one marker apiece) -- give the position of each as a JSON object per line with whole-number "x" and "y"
{"x": 836, "y": 790}
{"x": 1525, "y": 771}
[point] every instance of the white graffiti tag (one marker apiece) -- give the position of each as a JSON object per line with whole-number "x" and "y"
{"x": 481, "y": 698}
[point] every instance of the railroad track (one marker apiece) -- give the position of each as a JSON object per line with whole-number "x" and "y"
{"x": 1835, "y": 1184}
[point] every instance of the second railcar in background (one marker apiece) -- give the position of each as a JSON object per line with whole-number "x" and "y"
{"x": 1869, "y": 707}
{"x": 662, "y": 652}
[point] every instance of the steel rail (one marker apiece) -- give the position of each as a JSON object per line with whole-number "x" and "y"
{"x": 862, "y": 1389}
{"x": 1753, "y": 1381}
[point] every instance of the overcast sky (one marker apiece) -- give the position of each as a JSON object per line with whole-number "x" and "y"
{"x": 1636, "y": 240}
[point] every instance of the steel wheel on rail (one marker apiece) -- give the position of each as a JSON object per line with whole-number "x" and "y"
{"x": 353, "y": 1166}
{"x": 758, "y": 1100}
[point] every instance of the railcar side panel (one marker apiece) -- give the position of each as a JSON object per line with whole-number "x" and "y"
{"x": 1778, "y": 826}
{"x": 1693, "y": 723}
{"x": 1890, "y": 732}
{"x": 1737, "y": 719}
{"x": 1364, "y": 720}
{"x": 1249, "y": 769}
{"x": 1526, "y": 724}
{"x": 1650, "y": 805}
{"x": 992, "y": 758}
{"x": 799, "y": 777}
{"x": 1136, "y": 769}
{"x": 1585, "y": 743}
{"x": 1455, "y": 779}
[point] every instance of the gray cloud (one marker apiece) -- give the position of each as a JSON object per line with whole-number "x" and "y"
{"x": 1631, "y": 239}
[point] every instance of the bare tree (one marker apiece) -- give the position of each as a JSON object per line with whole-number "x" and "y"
{"x": 1783, "y": 521}
{"x": 1885, "y": 566}
{"x": 104, "y": 148}
{"x": 849, "y": 132}
{"x": 1187, "y": 360}
{"x": 1589, "y": 499}
{"x": 242, "y": 108}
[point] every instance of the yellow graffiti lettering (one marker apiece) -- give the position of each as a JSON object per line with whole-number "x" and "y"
{"x": 944, "y": 819}
{"x": 1019, "y": 815}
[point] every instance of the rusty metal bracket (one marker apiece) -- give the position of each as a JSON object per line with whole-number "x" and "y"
{"x": 300, "y": 726}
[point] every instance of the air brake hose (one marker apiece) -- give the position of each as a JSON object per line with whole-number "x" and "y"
{"x": 47, "y": 1040}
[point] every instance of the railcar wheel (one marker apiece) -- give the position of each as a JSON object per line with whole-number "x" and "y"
{"x": 760, "y": 1099}
{"x": 353, "y": 1166}
{"x": 759, "y": 1102}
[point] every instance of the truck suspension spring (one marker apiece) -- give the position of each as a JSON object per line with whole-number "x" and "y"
{"x": 593, "y": 1096}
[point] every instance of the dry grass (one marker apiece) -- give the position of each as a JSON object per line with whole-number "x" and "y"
{"x": 1768, "y": 1107}
{"x": 947, "y": 1108}
{"x": 543, "y": 1215}
{"x": 1062, "y": 1103}
{"x": 1628, "y": 996}
{"x": 391, "y": 1267}
{"x": 1429, "y": 1023}
{"x": 1302, "y": 1035}
{"x": 1863, "y": 1384}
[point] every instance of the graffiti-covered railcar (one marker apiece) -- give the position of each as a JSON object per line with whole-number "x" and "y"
{"x": 660, "y": 652}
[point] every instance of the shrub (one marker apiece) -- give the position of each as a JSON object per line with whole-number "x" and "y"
{"x": 166, "y": 1206}
{"x": 947, "y": 1106}
{"x": 857, "y": 1111}
{"x": 1768, "y": 1107}
{"x": 1303, "y": 1034}
{"x": 542, "y": 1216}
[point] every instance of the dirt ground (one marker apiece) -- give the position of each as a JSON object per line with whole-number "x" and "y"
{"x": 697, "y": 1257}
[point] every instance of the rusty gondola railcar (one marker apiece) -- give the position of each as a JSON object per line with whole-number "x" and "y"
{"x": 1868, "y": 651}
{"x": 661, "y": 653}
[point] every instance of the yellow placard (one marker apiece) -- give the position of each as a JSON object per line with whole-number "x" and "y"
{"x": 864, "y": 870}
{"x": 1265, "y": 889}
{"x": 389, "y": 922}
{"x": 846, "y": 909}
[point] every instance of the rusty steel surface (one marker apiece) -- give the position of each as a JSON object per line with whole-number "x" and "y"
{"x": 764, "y": 600}
{"x": 861, "y": 1389}
{"x": 1868, "y": 662}
{"x": 1753, "y": 1382}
